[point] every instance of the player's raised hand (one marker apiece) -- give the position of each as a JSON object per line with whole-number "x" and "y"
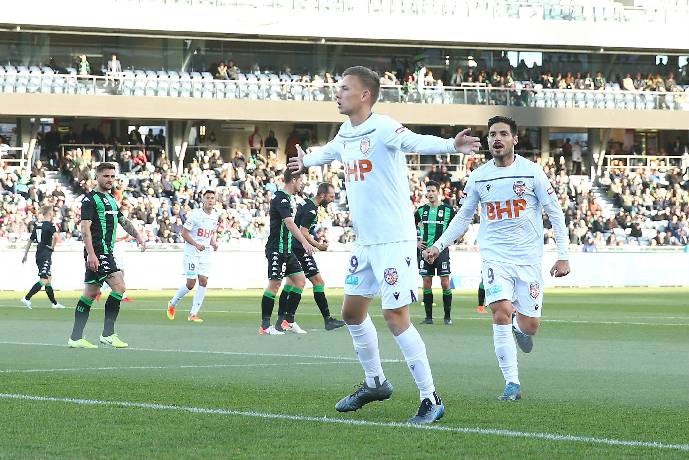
{"x": 430, "y": 254}
{"x": 296, "y": 163}
{"x": 560, "y": 269}
{"x": 92, "y": 262}
{"x": 142, "y": 244}
{"x": 464, "y": 143}
{"x": 24, "y": 259}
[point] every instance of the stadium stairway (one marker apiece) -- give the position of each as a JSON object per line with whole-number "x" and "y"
{"x": 607, "y": 206}
{"x": 53, "y": 178}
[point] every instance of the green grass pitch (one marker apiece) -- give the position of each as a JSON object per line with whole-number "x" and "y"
{"x": 608, "y": 376}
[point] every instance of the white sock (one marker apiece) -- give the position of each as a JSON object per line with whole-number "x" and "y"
{"x": 198, "y": 299}
{"x": 365, "y": 339}
{"x": 506, "y": 352}
{"x": 414, "y": 351}
{"x": 181, "y": 292}
{"x": 515, "y": 324}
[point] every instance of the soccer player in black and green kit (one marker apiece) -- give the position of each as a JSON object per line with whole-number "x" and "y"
{"x": 282, "y": 261}
{"x": 306, "y": 219}
{"x": 100, "y": 216}
{"x": 434, "y": 217}
{"x": 44, "y": 234}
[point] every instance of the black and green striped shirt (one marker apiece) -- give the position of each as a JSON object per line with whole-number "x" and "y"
{"x": 102, "y": 210}
{"x": 307, "y": 217}
{"x": 280, "y": 238}
{"x": 434, "y": 220}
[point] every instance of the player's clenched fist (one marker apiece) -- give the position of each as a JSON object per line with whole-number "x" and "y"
{"x": 430, "y": 254}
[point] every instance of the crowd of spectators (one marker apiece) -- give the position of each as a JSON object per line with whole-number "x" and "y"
{"x": 653, "y": 203}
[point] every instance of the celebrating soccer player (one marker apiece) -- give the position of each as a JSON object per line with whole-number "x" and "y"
{"x": 372, "y": 148}
{"x": 282, "y": 261}
{"x": 100, "y": 215}
{"x": 434, "y": 218}
{"x": 44, "y": 234}
{"x": 306, "y": 219}
{"x": 199, "y": 234}
{"x": 512, "y": 192}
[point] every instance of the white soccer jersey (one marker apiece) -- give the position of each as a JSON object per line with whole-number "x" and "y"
{"x": 512, "y": 199}
{"x": 202, "y": 227}
{"x": 376, "y": 175}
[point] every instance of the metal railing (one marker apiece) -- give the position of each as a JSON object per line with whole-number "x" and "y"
{"x": 13, "y": 157}
{"x": 629, "y": 162}
{"x": 264, "y": 87}
{"x": 577, "y": 10}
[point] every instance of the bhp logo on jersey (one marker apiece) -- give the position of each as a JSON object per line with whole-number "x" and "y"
{"x": 203, "y": 233}
{"x": 510, "y": 209}
{"x": 357, "y": 170}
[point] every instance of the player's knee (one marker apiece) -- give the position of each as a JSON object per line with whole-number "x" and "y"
{"x": 530, "y": 326}
{"x": 191, "y": 283}
{"x": 300, "y": 283}
{"x": 203, "y": 281}
{"x": 445, "y": 283}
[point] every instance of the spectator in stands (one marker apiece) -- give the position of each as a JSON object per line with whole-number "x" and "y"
{"x": 83, "y": 65}
{"x": 255, "y": 143}
{"x": 114, "y": 70}
{"x": 198, "y": 61}
{"x": 232, "y": 70}
{"x": 149, "y": 140}
{"x": 628, "y": 83}
{"x": 639, "y": 82}
{"x": 221, "y": 72}
{"x": 599, "y": 81}
{"x": 271, "y": 143}
{"x": 135, "y": 136}
{"x": 576, "y": 158}
{"x": 55, "y": 67}
{"x": 458, "y": 77}
{"x": 160, "y": 139}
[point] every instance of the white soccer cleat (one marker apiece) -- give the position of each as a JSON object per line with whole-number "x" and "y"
{"x": 27, "y": 303}
{"x": 58, "y": 306}
{"x": 294, "y": 327}
{"x": 270, "y": 330}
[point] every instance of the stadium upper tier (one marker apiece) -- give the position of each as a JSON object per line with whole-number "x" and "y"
{"x": 590, "y": 24}
{"x": 274, "y": 87}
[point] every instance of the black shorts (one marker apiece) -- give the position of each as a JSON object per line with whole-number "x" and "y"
{"x": 281, "y": 265}
{"x": 307, "y": 262}
{"x": 440, "y": 267}
{"x": 44, "y": 262}
{"x": 107, "y": 265}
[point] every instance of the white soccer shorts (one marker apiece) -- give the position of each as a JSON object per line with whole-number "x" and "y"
{"x": 196, "y": 265}
{"x": 520, "y": 284}
{"x": 389, "y": 269}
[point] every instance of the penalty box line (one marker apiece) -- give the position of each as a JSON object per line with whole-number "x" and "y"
{"x": 351, "y": 422}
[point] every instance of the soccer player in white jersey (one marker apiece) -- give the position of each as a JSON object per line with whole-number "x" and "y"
{"x": 512, "y": 192}
{"x": 199, "y": 234}
{"x": 372, "y": 148}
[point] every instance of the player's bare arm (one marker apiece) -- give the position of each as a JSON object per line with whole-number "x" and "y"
{"x": 312, "y": 241}
{"x": 294, "y": 230}
{"x": 26, "y": 251}
{"x": 129, "y": 227}
{"x": 186, "y": 236}
{"x": 91, "y": 258}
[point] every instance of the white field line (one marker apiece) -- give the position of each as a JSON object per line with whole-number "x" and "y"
{"x": 211, "y": 352}
{"x": 184, "y": 366}
{"x": 341, "y": 421}
{"x": 484, "y": 318}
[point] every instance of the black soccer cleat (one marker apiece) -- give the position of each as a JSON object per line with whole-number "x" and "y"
{"x": 430, "y": 410}
{"x": 364, "y": 395}
{"x": 426, "y": 321}
{"x": 332, "y": 323}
